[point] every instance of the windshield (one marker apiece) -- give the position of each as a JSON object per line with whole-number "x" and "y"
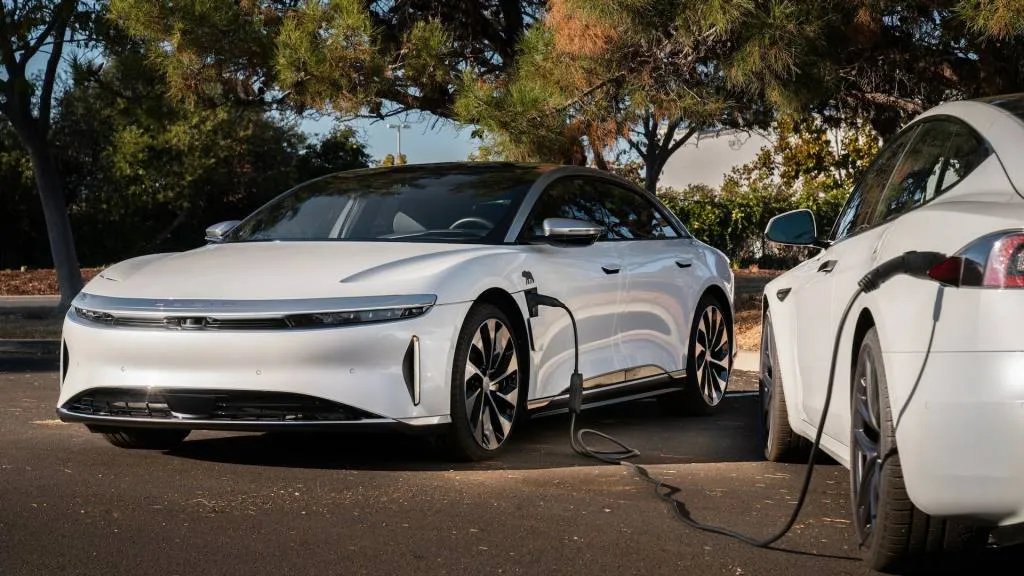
{"x": 468, "y": 204}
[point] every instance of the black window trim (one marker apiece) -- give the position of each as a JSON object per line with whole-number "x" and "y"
{"x": 677, "y": 226}
{"x": 875, "y": 222}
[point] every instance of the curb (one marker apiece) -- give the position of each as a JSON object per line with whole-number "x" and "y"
{"x": 747, "y": 361}
{"x": 37, "y": 347}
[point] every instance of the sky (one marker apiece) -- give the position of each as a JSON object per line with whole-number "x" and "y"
{"x": 423, "y": 142}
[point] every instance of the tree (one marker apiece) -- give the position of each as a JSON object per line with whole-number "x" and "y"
{"x": 34, "y": 32}
{"x": 650, "y": 74}
{"x": 342, "y": 56}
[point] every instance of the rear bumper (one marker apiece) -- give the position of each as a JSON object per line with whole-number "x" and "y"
{"x": 961, "y": 436}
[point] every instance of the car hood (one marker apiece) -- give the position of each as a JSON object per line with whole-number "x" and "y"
{"x": 286, "y": 270}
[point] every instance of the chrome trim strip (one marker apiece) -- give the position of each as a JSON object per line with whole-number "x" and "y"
{"x": 634, "y": 374}
{"x": 205, "y": 424}
{"x": 415, "y": 370}
{"x": 247, "y": 308}
{"x": 424, "y": 423}
{"x": 542, "y": 402}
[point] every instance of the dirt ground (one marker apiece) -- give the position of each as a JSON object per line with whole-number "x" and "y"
{"x": 20, "y": 324}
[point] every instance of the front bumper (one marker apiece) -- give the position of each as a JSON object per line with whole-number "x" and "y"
{"x": 366, "y": 369}
{"x": 960, "y": 437}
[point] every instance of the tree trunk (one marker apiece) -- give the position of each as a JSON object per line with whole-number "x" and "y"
{"x": 652, "y": 172}
{"x": 58, "y": 226}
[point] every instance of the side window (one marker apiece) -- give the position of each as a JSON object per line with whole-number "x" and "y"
{"x": 630, "y": 216}
{"x": 942, "y": 154}
{"x": 564, "y": 198}
{"x": 859, "y": 211}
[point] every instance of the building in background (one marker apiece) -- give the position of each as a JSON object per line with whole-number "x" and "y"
{"x": 709, "y": 156}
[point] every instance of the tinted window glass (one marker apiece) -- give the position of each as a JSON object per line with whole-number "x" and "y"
{"x": 858, "y": 214}
{"x": 630, "y": 216}
{"x": 565, "y": 198}
{"x": 466, "y": 204}
{"x": 942, "y": 153}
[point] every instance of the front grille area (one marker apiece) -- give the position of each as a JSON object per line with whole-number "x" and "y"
{"x": 214, "y": 405}
{"x": 184, "y": 322}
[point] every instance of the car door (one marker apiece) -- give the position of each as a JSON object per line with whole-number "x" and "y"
{"x": 588, "y": 279}
{"x": 660, "y": 291}
{"x": 830, "y": 278}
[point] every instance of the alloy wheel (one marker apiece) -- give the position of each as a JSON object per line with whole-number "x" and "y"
{"x": 492, "y": 384}
{"x": 766, "y": 386}
{"x": 712, "y": 352}
{"x": 866, "y": 462}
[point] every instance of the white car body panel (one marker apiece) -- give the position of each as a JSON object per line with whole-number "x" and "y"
{"x": 953, "y": 357}
{"x": 641, "y": 315}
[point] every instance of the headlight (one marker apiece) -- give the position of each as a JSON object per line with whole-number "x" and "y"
{"x": 325, "y": 319}
{"x": 94, "y": 315}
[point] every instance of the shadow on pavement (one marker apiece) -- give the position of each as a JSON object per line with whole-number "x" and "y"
{"x": 730, "y": 435}
{"x": 23, "y": 362}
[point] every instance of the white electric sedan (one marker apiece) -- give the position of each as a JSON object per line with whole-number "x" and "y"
{"x": 928, "y": 406}
{"x": 399, "y": 298}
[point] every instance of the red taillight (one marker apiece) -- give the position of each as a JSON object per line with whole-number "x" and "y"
{"x": 992, "y": 261}
{"x": 1005, "y": 266}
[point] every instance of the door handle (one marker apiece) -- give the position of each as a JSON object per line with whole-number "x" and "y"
{"x": 611, "y": 268}
{"x": 827, "y": 266}
{"x": 683, "y": 264}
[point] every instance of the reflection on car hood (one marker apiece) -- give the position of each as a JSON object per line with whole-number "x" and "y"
{"x": 285, "y": 270}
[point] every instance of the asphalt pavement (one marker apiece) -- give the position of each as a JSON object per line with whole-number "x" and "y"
{"x": 388, "y": 504}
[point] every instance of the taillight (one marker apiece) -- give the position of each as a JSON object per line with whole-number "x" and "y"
{"x": 992, "y": 261}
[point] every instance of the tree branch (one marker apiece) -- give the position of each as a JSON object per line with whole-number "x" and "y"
{"x": 50, "y": 75}
{"x": 6, "y": 46}
{"x": 683, "y": 140}
{"x": 909, "y": 106}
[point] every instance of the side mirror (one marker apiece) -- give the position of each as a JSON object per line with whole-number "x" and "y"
{"x": 571, "y": 232}
{"x": 795, "y": 228}
{"x": 217, "y": 232}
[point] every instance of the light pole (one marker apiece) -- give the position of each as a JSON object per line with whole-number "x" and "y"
{"x": 399, "y": 128}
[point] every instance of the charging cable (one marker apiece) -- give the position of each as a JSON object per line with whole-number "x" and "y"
{"x": 915, "y": 264}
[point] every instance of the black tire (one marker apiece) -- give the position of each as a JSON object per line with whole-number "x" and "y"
{"x": 143, "y": 438}
{"x": 692, "y": 400}
{"x": 778, "y": 441}
{"x": 470, "y": 440}
{"x": 896, "y": 535}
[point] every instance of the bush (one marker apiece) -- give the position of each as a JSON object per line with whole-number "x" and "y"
{"x": 734, "y": 220}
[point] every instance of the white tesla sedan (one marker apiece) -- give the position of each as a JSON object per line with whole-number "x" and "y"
{"x": 928, "y": 410}
{"x": 398, "y": 297}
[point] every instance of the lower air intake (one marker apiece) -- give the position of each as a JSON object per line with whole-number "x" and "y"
{"x": 216, "y": 405}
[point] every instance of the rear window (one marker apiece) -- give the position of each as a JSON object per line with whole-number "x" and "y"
{"x": 1012, "y": 103}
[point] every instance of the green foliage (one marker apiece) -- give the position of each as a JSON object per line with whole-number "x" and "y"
{"x": 805, "y": 167}
{"x": 155, "y": 172}
{"x": 346, "y": 56}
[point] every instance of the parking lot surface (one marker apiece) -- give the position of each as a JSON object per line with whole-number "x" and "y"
{"x": 323, "y": 504}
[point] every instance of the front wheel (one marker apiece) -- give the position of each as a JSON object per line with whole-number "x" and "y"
{"x": 896, "y": 534}
{"x": 708, "y": 361}
{"x": 488, "y": 384}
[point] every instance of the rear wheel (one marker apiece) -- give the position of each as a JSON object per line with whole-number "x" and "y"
{"x": 143, "y": 438}
{"x": 778, "y": 440}
{"x": 708, "y": 361}
{"x": 488, "y": 384}
{"x": 896, "y": 534}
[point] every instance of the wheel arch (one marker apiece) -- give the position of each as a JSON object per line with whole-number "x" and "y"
{"x": 719, "y": 293}
{"x": 865, "y": 322}
{"x": 505, "y": 302}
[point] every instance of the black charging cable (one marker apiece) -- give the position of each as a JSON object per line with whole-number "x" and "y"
{"x": 910, "y": 263}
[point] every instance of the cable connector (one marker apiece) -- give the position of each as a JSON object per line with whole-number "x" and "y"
{"x": 576, "y": 393}
{"x": 912, "y": 263}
